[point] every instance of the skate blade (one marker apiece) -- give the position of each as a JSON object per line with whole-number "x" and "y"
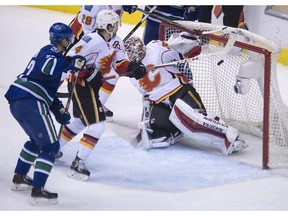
{"x": 21, "y": 187}
{"x": 39, "y": 201}
{"x": 77, "y": 176}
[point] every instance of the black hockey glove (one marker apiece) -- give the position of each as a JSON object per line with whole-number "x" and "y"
{"x": 58, "y": 110}
{"x": 130, "y": 8}
{"x": 94, "y": 80}
{"x": 136, "y": 70}
{"x": 78, "y": 63}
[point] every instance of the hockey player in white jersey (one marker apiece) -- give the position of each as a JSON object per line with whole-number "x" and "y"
{"x": 88, "y": 111}
{"x": 173, "y": 106}
{"x": 85, "y": 23}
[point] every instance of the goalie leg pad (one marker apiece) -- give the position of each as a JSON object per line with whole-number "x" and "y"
{"x": 204, "y": 128}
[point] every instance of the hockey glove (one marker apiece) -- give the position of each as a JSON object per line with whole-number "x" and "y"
{"x": 78, "y": 63}
{"x": 94, "y": 80}
{"x": 136, "y": 70}
{"x": 191, "y": 13}
{"x": 129, "y": 8}
{"x": 58, "y": 110}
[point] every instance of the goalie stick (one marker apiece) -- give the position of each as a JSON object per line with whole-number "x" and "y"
{"x": 229, "y": 44}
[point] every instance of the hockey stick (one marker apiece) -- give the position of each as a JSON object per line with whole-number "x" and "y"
{"x": 229, "y": 44}
{"x": 68, "y": 101}
{"x": 140, "y": 23}
{"x": 62, "y": 94}
{"x": 195, "y": 32}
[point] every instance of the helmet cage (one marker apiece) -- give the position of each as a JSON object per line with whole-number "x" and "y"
{"x": 135, "y": 49}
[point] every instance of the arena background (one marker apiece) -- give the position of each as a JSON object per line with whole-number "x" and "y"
{"x": 136, "y": 17}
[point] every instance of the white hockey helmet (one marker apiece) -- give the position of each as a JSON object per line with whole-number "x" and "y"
{"x": 184, "y": 43}
{"x": 135, "y": 48}
{"x": 106, "y": 17}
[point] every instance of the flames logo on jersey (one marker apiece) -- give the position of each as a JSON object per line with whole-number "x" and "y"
{"x": 106, "y": 63}
{"x": 151, "y": 80}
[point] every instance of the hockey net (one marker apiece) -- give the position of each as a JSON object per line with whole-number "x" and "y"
{"x": 261, "y": 111}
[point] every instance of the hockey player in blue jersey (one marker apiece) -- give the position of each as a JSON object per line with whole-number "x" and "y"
{"x": 31, "y": 97}
{"x": 171, "y": 12}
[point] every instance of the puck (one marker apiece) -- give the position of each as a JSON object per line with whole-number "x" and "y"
{"x": 220, "y": 62}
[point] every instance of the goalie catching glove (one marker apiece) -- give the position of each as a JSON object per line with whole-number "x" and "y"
{"x": 186, "y": 44}
{"x": 136, "y": 70}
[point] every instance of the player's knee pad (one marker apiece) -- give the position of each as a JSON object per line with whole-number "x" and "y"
{"x": 51, "y": 149}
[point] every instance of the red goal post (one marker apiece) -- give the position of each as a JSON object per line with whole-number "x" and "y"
{"x": 261, "y": 111}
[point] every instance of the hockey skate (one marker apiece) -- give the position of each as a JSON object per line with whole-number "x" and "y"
{"x": 108, "y": 113}
{"x": 78, "y": 170}
{"x": 21, "y": 183}
{"x": 40, "y": 196}
{"x": 237, "y": 146}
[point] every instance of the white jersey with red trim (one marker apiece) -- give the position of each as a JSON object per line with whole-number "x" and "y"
{"x": 100, "y": 54}
{"x": 88, "y": 13}
{"x": 160, "y": 83}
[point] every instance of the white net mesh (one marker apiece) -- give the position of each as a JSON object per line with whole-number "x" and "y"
{"x": 215, "y": 83}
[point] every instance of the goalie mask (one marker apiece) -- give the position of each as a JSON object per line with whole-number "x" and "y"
{"x": 135, "y": 49}
{"x": 186, "y": 44}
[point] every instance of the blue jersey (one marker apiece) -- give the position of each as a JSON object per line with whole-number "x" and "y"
{"x": 171, "y": 12}
{"x": 42, "y": 76}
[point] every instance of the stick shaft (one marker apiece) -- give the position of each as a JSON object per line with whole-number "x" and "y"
{"x": 140, "y": 23}
{"x": 69, "y": 101}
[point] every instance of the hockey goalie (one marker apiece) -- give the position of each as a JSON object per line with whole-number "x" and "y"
{"x": 171, "y": 105}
